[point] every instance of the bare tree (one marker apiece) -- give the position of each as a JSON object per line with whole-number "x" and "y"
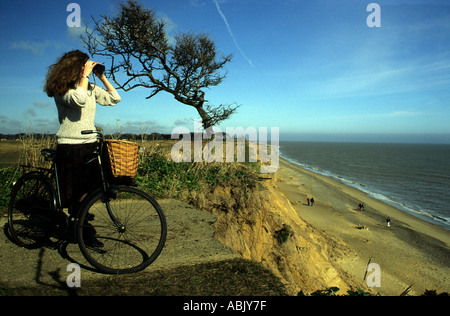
{"x": 137, "y": 44}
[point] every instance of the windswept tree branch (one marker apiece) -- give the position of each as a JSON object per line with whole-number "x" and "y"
{"x": 136, "y": 43}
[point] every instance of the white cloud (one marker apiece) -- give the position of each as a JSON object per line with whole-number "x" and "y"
{"x": 170, "y": 28}
{"x": 28, "y": 124}
{"x": 40, "y": 104}
{"x": 184, "y": 122}
{"x": 197, "y": 3}
{"x": 36, "y": 47}
{"x": 76, "y": 32}
{"x": 412, "y": 76}
{"x": 31, "y": 112}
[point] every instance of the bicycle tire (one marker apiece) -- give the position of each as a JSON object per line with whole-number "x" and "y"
{"x": 127, "y": 249}
{"x": 32, "y": 200}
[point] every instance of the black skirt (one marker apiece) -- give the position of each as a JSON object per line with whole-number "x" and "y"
{"x": 76, "y": 176}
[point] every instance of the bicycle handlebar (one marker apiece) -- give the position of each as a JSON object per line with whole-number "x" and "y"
{"x": 99, "y": 133}
{"x": 88, "y": 132}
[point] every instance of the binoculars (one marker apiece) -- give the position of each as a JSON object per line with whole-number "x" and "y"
{"x": 99, "y": 69}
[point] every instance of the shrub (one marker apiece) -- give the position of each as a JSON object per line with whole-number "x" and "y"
{"x": 8, "y": 176}
{"x": 163, "y": 177}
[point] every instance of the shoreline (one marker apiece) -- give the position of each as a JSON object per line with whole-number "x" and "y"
{"x": 437, "y": 220}
{"x": 412, "y": 252}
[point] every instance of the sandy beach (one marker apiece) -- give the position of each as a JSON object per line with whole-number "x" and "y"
{"x": 410, "y": 252}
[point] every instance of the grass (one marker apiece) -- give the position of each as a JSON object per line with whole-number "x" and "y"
{"x": 9, "y": 151}
{"x": 160, "y": 176}
{"x": 235, "y": 277}
{"x": 7, "y": 178}
{"x": 24, "y": 151}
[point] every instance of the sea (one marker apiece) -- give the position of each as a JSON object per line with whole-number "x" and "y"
{"x": 414, "y": 178}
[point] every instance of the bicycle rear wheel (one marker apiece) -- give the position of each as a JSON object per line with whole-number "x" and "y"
{"x": 123, "y": 233}
{"x": 32, "y": 202}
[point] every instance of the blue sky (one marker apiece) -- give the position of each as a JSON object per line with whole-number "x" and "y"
{"x": 312, "y": 68}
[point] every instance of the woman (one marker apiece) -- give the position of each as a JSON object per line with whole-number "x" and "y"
{"x": 67, "y": 82}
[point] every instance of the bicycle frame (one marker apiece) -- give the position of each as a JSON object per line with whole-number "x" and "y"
{"x": 52, "y": 173}
{"x": 119, "y": 229}
{"x": 106, "y": 187}
{"x": 48, "y": 173}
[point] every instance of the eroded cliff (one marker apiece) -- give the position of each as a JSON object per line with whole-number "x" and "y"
{"x": 261, "y": 225}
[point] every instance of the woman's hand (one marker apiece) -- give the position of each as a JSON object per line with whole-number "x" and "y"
{"x": 88, "y": 67}
{"x": 85, "y": 73}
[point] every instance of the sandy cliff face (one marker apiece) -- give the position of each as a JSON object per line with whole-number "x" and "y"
{"x": 262, "y": 225}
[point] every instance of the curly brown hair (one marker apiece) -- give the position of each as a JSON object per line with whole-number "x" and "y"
{"x": 65, "y": 73}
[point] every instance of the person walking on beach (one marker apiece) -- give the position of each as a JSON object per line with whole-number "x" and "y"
{"x": 312, "y": 201}
{"x": 388, "y": 222}
{"x": 308, "y": 202}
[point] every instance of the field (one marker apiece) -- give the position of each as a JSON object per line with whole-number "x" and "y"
{"x": 162, "y": 177}
{"x": 10, "y": 151}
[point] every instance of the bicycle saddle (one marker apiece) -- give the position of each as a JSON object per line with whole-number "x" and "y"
{"x": 49, "y": 153}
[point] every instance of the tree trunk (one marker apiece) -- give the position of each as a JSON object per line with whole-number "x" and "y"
{"x": 206, "y": 119}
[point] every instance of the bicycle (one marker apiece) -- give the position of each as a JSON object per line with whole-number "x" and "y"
{"x": 119, "y": 228}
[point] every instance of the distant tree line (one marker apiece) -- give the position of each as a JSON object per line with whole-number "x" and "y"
{"x": 127, "y": 136}
{"x": 20, "y": 136}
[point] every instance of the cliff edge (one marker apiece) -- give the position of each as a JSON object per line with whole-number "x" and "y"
{"x": 261, "y": 225}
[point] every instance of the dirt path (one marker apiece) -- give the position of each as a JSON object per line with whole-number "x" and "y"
{"x": 190, "y": 240}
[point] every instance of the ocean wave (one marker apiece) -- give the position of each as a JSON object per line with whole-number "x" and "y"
{"x": 424, "y": 214}
{"x": 375, "y": 193}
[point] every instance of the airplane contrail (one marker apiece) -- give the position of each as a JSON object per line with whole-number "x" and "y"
{"x": 231, "y": 33}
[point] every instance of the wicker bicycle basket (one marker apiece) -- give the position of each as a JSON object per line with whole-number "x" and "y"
{"x": 123, "y": 158}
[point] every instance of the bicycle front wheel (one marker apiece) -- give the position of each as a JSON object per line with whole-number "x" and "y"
{"x": 121, "y": 232}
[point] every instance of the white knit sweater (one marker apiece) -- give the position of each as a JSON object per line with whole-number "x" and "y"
{"x": 76, "y": 112}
